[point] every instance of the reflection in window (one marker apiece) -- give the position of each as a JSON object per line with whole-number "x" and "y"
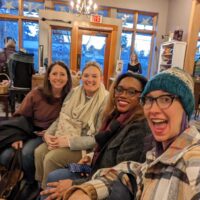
{"x": 61, "y": 7}
{"x": 30, "y": 40}
{"x": 145, "y": 22}
{"x": 31, "y": 8}
{"x": 103, "y": 13}
{"x": 126, "y": 18}
{"x": 9, "y": 7}
{"x": 142, "y": 48}
{"x": 8, "y": 29}
{"x": 126, "y": 40}
{"x": 61, "y": 40}
{"x": 93, "y": 50}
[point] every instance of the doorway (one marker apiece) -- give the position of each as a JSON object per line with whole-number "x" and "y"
{"x": 93, "y": 46}
{"x": 79, "y": 44}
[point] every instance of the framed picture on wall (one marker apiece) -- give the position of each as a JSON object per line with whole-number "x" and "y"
{"x": 119, "y": 66}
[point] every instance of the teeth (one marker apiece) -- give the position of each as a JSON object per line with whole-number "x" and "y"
{"x": 158, "y": 121}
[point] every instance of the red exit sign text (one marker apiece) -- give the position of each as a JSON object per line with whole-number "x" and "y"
{"x": 96, "y": 18}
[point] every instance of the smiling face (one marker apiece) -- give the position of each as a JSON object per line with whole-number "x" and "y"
{"x": 165, "y": 124}
{"x": 91, "y": 79}
{"x": 58, "y": 78}
{"x": 124, "y": 102}
{"x": 133, "y": 57}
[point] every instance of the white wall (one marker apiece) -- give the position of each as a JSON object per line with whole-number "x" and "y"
{"x": 179, "y": 16}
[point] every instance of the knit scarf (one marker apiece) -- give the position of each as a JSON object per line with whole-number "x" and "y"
{"x": 78, "y": 112}
{"x": 110, "y": 128}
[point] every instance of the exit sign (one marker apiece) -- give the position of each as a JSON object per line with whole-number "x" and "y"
{"x": 96, "y": 18}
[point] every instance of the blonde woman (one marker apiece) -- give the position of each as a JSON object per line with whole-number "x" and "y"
{"x": 73, "y": 131}
{"x": 134, "y": 65}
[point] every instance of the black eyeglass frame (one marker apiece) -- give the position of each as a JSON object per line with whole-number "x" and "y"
{"x": 172, "y": 98}
{"x": 126, "y": 90}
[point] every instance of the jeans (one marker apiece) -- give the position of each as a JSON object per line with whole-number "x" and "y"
{"x": 61, "y": 174}
{"x": 27, "y": 157}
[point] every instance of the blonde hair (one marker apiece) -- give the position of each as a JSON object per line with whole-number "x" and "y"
{"x": 92, "y": 64}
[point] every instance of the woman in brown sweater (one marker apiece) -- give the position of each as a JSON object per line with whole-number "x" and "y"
{"x": 42, "y": 105}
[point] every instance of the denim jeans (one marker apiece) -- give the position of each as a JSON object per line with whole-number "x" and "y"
{"x": 60, "y": 174}
{"x": 27, "y": 157}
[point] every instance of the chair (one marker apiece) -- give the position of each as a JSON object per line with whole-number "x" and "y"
{"x": 20, "y": 70}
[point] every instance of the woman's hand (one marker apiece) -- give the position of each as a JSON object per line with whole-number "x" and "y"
{"x": 57, "y": 189}
{"x": 51, "y": 140}
{"x": 85, "y": 160}
{"x": 17, "y": 145}
{"x": 63, "y": 141}
{"x": 79, "y": 194}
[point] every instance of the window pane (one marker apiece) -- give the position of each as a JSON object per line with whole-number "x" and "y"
{"x": 93, "y": 49}
{"x": 142, "y": 48}
{"x": 8, "y": 29}
{"x": 126, "y": 18}
{"x": 145, "y": 22}
{"x": 9, "y": 7}
{"x": 61, "y": 7}
{"x": 61, "y": 40}
{"x": 197, "y": 55}
{"x": 30, "y": 40}
{"x": 31, "y": 8}
{"x": 126, "y": 40}
{"x": 197, "y": 61}
{"x": 103, "y": 13}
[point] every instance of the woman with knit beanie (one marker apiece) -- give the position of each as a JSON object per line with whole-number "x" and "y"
{"x": 172, "y": 167}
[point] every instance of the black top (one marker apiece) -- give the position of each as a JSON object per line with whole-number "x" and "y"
{"x": 135, "y": 68}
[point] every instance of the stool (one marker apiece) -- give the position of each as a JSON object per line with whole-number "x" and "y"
{"x": 13, "y": 91}
{"x": 4, "y": 98}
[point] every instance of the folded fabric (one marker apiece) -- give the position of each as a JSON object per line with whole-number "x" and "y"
{"x": 19, "y": 128}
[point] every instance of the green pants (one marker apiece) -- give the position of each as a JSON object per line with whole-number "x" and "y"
{"x": 47, "y": 161}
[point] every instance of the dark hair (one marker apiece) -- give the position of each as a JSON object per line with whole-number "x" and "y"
{"x": 110, "y": 106}
{"x": 137, "y": 76}
{"x": 47, "y": 88}
{"x": 6, "y": 39}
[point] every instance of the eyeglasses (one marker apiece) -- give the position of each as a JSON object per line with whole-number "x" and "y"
{"x": 119, "y": 90}
{"x": 163, "y": 101}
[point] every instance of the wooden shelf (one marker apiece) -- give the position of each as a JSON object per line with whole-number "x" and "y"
{"x": 171, "y": 54}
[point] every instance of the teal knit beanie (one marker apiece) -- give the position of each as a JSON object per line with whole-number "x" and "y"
{"x": 176, "y": 82}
